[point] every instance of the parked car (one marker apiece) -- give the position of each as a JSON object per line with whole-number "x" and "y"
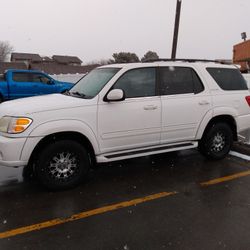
{"x": 123, "y": 111}
{"x": 24, "y": 83}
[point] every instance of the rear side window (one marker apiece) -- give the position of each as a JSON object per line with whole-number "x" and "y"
{"x": 179, "y": 80}
{"x": 228, "y": 79}
{"x": 21, "y": 77}
{"x": 2, "y": 78}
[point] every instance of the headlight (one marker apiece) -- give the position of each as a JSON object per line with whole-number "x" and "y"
{"x": 14, "y": 125}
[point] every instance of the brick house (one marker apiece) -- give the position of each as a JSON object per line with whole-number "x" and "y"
{"x": 67, "y": 60}
{"x": 25, "y": 58}
{"x": 54, "y": 66}
{"x": 241, "y": 55}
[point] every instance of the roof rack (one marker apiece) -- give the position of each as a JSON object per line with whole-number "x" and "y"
{"x": 185, "y": 60}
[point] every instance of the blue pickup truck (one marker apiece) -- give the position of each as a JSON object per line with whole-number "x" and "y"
{"x": 24, "y": 83}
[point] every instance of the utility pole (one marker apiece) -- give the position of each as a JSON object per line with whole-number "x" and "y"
{"x": 176, "y": 28}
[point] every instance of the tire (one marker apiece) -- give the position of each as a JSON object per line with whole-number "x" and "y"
{"x": 29, "y": 174}
{"x": 217, "y": 141}
{"x": 62, "y": 165}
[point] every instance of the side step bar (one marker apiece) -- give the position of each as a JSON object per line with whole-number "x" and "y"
{"x": 127, "y": 154}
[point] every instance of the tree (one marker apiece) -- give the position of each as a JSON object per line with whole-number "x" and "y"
{"x": 125, "y": 57}
{"x": 150, "y": 55}
{"x": 5, "y": 50}
{"x": 100, "y": 62}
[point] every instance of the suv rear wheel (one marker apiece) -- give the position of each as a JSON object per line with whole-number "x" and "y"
{"x": 217, "y": 141}
{"x": 62, "y": 165}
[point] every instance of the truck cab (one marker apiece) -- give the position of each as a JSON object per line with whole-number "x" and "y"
{"x": 25, "y": 83}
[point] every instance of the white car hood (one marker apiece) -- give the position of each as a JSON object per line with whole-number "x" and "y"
{"x": 38, "y": 104}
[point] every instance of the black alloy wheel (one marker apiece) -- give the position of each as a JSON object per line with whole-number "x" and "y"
{"x": 217, "y": 141}
{"x": 62, "y": 165}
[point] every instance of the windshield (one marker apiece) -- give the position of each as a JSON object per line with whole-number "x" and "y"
{"x": 91, "y": 84}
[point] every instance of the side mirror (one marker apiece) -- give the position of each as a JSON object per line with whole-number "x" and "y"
{"x": 51, "y": 82}
{"x": 115, "y": 95}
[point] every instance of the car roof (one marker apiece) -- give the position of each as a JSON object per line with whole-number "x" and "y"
{"x": 169, "y": 63}
{"x": 25, "y": 71}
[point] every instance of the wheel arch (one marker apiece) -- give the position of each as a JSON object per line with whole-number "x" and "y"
{"x": 228, "y": 119}
{"x": 69, "y": 135}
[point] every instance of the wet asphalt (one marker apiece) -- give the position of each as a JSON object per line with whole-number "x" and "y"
{"x": 197, "y": 217}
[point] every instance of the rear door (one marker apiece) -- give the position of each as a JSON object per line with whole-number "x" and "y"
{"x": 20, "y": 85}
{"x": 185, "y": 102}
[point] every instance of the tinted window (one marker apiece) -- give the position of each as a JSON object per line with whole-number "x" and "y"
{"x": 137, "y": 83}
{"x": 2, "y": 78}
{"x": 40, "y": 78}
{"x": 198, "y": 86}
{"x": 228, "y": 79}
{"x": 21, "y": 77}
{"x": 179, "y": 80}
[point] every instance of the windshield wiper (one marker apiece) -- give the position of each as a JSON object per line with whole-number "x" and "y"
{"x": 66, "y": 92}
{"x": 78, "y": 94}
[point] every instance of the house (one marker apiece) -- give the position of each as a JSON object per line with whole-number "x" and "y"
{"x": 57, "y": 64}
{"x": 25, "y": 58}
{"x": 67, "y": 60}
{"x": 56, "y": 69}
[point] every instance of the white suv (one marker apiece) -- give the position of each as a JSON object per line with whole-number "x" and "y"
{"x": 123, "y": 111}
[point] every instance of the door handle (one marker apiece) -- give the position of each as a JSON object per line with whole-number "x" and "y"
{"x": 150, "y": 107}
{"x": 204, "y": 102}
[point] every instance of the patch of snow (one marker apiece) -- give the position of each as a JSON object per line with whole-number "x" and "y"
{"x": 239, "y": 155}
{"x": 126, "y": 247}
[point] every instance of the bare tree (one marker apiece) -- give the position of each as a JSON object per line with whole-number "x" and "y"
{"x": 5, "y": 50}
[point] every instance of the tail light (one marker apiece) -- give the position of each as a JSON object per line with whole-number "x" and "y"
{"x": 248, "y": 100}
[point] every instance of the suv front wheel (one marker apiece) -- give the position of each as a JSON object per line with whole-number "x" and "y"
{"x": 62, "y": 164}
{"x": 217, "y": 141}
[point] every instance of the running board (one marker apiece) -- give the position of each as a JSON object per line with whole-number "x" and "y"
{"x": 127, "y": 154}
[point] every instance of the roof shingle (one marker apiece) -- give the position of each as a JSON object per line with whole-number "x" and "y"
{"x": 26, "y": 56}
{"x": 67, "y": 59}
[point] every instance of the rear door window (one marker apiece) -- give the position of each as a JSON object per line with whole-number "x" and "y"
{"x": 228, "y": 79}
{"x": 2, "y": 78}
{"x": 21, "y": 77}
{"x": 179, "y": 80}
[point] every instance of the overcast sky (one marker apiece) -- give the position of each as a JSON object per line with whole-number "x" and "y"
{"x": 95, "y": 29}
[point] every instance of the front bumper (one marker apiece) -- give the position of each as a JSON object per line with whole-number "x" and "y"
{"x": 10, "y": 151}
